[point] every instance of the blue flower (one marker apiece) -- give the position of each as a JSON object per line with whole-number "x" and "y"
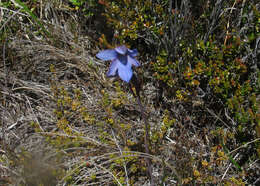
{"x": 122, "y": 60}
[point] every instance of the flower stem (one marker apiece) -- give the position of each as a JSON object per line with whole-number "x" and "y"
{"x": 146, "y": 140}
{"x": 147, "y": 129}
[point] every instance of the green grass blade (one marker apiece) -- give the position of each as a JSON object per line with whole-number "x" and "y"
{"x": 230, "y": 157}
{"x": 34, "y": 17}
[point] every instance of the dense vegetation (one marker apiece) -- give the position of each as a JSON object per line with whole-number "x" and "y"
{"x": 63, "y": 122}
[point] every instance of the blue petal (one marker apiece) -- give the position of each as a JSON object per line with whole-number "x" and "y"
{"x": 133, "y": 52}
{"x": 125, "y": 72}
{"x": 133, "y": 61}
{"x": 121, "y": 49}
{"x": 109, "y": 54}
{"x": 113, "y": 68}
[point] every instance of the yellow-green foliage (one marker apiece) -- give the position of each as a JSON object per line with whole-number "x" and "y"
{"x": 130, "y": 17}
{"x": 159, "y": 133}
{"x": 69, "y": 111}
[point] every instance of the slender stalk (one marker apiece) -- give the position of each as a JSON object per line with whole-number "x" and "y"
{"x": 146, "y": 140}
{"x": 147, "y": 129}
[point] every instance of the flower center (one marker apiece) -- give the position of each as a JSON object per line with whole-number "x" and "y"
{"x": 122, "y": 58}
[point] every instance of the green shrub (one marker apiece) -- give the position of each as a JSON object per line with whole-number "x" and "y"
{"x": 208, "y": 56}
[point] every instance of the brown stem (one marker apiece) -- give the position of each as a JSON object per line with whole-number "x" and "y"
{"x": 147, "y": 136}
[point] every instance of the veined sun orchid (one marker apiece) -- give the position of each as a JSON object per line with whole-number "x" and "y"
{"x": 122, "y": 60}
